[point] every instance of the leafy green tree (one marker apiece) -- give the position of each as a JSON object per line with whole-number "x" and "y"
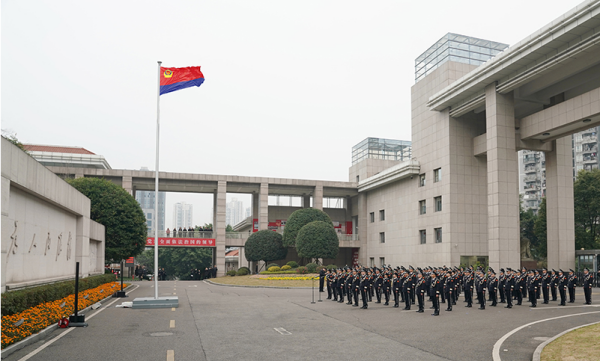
{"x": 317, "y": 240}
{"x": 265, "y": 246}
{"x": 527, "y": 222}
{"x": 229, "y": 228}
{"x": 177, "y": 261}
{"x": 120, "y": 214}
{"x": 299, "y": 219}
{"x": 540, "y": 227}
{"x": 586, "y": 192}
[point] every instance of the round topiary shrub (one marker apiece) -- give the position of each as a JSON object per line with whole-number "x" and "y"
{"x": 286, "y": 267}
{"x": 272, "y": 265}
{"x": 274, "y": 269}
{"x": 243, "y": 271}
{"x": 302, "y": 270}
{"x": 312, "y": 267}
{"x": 231, "y": 272}
{"x": 293, "y": 264}
{"x": 299, "y": 219}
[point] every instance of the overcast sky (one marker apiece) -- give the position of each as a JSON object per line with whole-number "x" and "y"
{"x": 290, "y": 86}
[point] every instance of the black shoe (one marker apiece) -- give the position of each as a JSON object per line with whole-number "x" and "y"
{"x": 386, "y": 304}
{"x": 481, "y": 308}
{"x": 396, "y": 306}
{"x": 532, "y": 306}
{"x": 508, "y": 306}
{"x": 354, "y": 305}
{"x": 493, "y": 304}
{"x": 562, "y": 304}
{"x": 378, "y": 302}
{"x": 469, "y": 306}
{"x": 420, "y": 311}
{"x": 448, "y": 309}
{"x": 453, "y": 303}
{"x": 435, "y": 314}
{"x": 519, "y": 304}
{"x": 545, "y": 303}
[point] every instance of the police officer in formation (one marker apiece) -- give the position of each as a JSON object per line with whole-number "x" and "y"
{"x": 444, "y": 285}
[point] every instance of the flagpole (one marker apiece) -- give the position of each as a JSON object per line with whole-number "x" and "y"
{"x": 155, "y": 223}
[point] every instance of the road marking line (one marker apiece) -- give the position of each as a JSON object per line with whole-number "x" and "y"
{"x": 41, "y": 348}
{"x": 496, "y": 350}
{"x": 170, "y": 355}
{"x": 282, "y": 331}
{"x": 562, "y": 307}
{"x": 172, "y": 324}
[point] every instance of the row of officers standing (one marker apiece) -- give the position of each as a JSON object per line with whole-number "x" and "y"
{"x": 444, "y": 285}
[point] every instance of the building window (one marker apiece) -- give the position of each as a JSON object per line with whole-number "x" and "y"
{"x": 372, "y": 217}
{"x": 437, "y": 175}
{"x": 438, "y": 235}
{"x": 438, "y": 203}
{"x": 357, "y": 178}
{"x": 422, "y": 207}
{"x": 423, "y": 236}
{"x": 422, "y": 180}
{"x": 382, "y": 237}
{"x": 382, "y": 215}
{"x": 372, "y": 261}
{"x": 381, "y": 261}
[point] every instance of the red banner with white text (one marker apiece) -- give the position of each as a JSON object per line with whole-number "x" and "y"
{"x": 182, "y": 242}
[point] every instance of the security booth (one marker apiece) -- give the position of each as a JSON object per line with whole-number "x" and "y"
{"x": 589, "y": 259}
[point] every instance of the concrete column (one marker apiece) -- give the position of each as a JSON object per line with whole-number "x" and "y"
{"x": 560, "y": 214}
{"x": 362, "y": 229}
{"x": 305, "y": 201}
{"x": 220, "y": 225}
{"x": 6, "y": 228}
{"x": 318, "y": 197}
{"x": 127, "y": 184}
{"x": 502, "y": 180}
{"x": 255, "y": 207}
{"x": 263, "y": 204}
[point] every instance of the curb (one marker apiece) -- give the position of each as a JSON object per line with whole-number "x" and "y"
{"x": 538, "y": 351}
{"x": 45, "y": 333}
{"x": 283, "y": 288}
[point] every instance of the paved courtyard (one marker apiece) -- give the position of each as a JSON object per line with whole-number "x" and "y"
{"x": 233, "y": 323}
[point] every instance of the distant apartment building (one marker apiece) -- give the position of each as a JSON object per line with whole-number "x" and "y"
{"x": 183, "y": 214}
{"x": 532, "y": 167}
{"x": 146, "y": 200}
{"x": 234, "y": 212}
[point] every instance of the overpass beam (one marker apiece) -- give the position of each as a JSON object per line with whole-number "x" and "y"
{"x": 219, "y": 225}
{"x": 502, "y": 179}
{"x": 560, "y": 212}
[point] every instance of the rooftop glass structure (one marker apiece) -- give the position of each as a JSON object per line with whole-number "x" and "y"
{"x": 459, "y": 48}
{"x": 378, "y": 148}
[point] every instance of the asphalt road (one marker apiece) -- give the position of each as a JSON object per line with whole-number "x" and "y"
{"x": 234, "y": 323}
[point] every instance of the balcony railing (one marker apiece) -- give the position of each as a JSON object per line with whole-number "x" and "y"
{"x": 348, "y": 237}
{"x": 237, "y": 235}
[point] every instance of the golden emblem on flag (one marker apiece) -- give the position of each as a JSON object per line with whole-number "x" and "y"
{"x": 168, "y": 73}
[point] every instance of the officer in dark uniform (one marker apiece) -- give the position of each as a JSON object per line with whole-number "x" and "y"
{"x": 341, "y": 285}
{"x": 519, "y": 286}
{"x": 406, "y": 291}
{"x": 329, "y": 277}
{"x": 364, "y": 289}
{"x": 553, "y": 284}
{"x": 421, "y": 290}
{"x": 532, "y": 288}
{"x": 501, "y": 280}
{"x": 449, "y": 289}
{"x": 562, "y": 287}
{"x": 588, "y": 281}
{"x": 334, "y": 284}
{"x": 493, "y": 287}
{"x": 377, "y": 283}
{"x": 348, "y": 285}
{"x": 481, "y": 287}
{"x": 509, "y": 285}
{"x": 546, "y": 285}
{"x": 468, "y": 287}
{"x": 571, "y": 284}
{"x": 435, "y": 289}
{"x": 356, "y": 287}
{"x": 386, "y": 287}
{"x": 396, "y": 288}
{"x": 322, "y": 273}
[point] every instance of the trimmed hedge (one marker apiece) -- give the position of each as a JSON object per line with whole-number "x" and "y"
{"x": 18, "y": 301}
{"x": 312, "y": 267}
{"x": 286, "y": 267}
{"x": 243, "y": 271}
{"x": 302, "y": 270}
{"x": 231, "y": 272}
{"x": 280, "y": 272}
{"x": 293, "y": 264}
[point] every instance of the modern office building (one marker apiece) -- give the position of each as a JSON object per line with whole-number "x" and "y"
{"x": 235, "y": 212}
{"x": 183, "y": 214}
{"x": 146, "y": 200}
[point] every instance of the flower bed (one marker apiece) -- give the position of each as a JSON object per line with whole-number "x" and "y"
{"x": 23, "y": 324}
{"x": 291, "y": 278}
